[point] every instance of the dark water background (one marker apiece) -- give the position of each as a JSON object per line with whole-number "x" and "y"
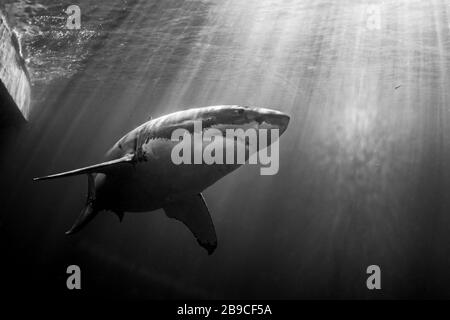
{"x": 363, "y": 166}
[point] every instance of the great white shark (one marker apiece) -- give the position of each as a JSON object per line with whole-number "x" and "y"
{"x": 139, "y": 175}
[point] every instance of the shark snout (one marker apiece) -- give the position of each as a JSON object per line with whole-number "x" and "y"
{"x": 274, "y": 118}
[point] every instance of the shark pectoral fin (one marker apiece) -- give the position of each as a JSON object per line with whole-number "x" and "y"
{"x": 194, "y": 213}
{"x": 103, "y": 167}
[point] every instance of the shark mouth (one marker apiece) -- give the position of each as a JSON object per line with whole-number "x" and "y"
{"x": 148, "y": 133}
{"x": 151, "y": 132}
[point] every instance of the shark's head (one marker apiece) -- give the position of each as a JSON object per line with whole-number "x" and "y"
{"x": 217, "y": 117}
{"x": 233, "y": 116}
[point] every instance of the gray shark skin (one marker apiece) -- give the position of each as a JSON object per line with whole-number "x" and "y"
{"x": 139, "y": 174}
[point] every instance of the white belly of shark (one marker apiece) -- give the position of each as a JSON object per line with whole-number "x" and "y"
{"x": 140, "y": 174}
{"x": 155, "y": 179}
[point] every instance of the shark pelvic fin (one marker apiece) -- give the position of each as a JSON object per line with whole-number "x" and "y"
{"x": 194, "y": 213}
{"x": 96, "y": 168}
{"x": 89, "y": 211}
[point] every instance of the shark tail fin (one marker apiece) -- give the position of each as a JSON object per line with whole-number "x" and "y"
{"x": 103, "y": 167}
{"x": 90, "y": 211}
